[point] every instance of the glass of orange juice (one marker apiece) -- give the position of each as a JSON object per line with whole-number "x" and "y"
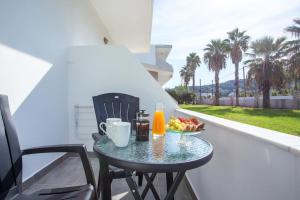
{"x": 158, "y": 126}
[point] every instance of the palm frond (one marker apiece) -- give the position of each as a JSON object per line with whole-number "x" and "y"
{"x": 215, "y": 54}
{"x": 294, "y": 29}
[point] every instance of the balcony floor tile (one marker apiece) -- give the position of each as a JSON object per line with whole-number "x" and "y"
{"x": 70, "y": 173}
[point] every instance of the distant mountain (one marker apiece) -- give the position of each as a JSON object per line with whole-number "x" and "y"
{"x": 225, "y": 88}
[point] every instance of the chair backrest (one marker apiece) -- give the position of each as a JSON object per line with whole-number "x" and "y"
{"x": 115, "y": 105}
{"x": 10, "y": 152}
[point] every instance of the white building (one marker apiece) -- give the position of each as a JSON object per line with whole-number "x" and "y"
{"x": 156, "y": 64}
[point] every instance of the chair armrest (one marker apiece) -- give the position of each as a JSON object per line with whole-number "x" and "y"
{"x": 70, "y": 148}
{"x": 96, "y": 136}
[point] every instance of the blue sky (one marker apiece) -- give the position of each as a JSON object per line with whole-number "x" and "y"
{"x": 190, "y": 24}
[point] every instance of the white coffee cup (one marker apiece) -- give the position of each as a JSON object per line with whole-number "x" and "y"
{"x": 108, "y": 124}
{"x": 121, "y": 133}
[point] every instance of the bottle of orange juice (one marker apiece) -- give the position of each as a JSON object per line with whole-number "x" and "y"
{"x": 158, "y": 126}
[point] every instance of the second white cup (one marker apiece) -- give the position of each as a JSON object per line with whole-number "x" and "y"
{"x": 121, "y": 133}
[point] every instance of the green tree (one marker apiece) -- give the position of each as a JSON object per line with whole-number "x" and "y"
{"x": 293, "y": 52}
{"x": 192, "y": 62}
{"x": 182, "y": 95}
{"x": 215, "y": 57}
{"x": 266, "y": 65}
{"x": 238, "y": 42}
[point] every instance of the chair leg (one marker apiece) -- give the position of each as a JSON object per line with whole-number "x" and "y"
{"x": 140, "y": 178}
{"x": 99, "y": 182}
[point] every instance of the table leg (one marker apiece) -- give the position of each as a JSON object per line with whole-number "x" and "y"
{"x": 169, "y": 180}
{"x": 105, "y": 185}
{"x": 175, "y": 185}
{"x": 150, "y": 185}
{"x": 140, "y": 178}
{"x": 134, "y": 189}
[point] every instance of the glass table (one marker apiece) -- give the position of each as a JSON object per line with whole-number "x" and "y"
{"x": 165, "y": 154}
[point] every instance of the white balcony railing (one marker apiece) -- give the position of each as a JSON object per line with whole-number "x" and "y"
{"x": 248, "y": 163}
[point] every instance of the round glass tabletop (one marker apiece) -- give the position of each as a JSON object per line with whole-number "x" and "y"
{"x": 171, "y": 152}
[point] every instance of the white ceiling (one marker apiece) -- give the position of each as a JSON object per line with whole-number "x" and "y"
{"x": 128, "y": 22}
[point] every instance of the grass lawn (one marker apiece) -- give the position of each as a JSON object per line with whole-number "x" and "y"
{"x": 286, "y": 121}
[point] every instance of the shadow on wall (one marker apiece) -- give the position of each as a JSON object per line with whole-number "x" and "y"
{"x": 20, "y": 73}
{"x": 35, "y": 34}
{"x": 43, "y": 113}
{"x": 37, "y": 91}
{"x": 42, "y": 118}
{"x": 30, "y": 43}
{"x": 33, "y": 75}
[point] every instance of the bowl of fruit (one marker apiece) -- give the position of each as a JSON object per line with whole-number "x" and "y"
{"x": 186, "y": 126}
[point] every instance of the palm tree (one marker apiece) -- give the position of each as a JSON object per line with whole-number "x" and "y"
{"x": 238, "y": 42}
{"x": 185, "y": 75}
{"x": 266, "y": 65}
{"x": 293, "y": 52}
{"x": 192, "y": 62}
{"x": 182, "y": 75}
{"x": 215, "y": 57}
{"x": 295, "y": 29}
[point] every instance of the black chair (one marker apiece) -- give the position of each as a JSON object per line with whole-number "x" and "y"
{"x": 11, "y": 165}
{"x": 116, "y": 105}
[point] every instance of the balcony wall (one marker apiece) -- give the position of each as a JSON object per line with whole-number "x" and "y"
{"x": 248, "y": 163}
{"x": 94, "y": 70}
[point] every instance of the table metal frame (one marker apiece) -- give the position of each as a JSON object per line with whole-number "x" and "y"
{"x": 104, "y": 189}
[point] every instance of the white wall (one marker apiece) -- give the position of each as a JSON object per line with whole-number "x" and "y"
{"x": 94, "y": 70}
{"x": 278, "y": 102}
{"x": 248, "y": 163}
{"x": 34, "y": 36}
